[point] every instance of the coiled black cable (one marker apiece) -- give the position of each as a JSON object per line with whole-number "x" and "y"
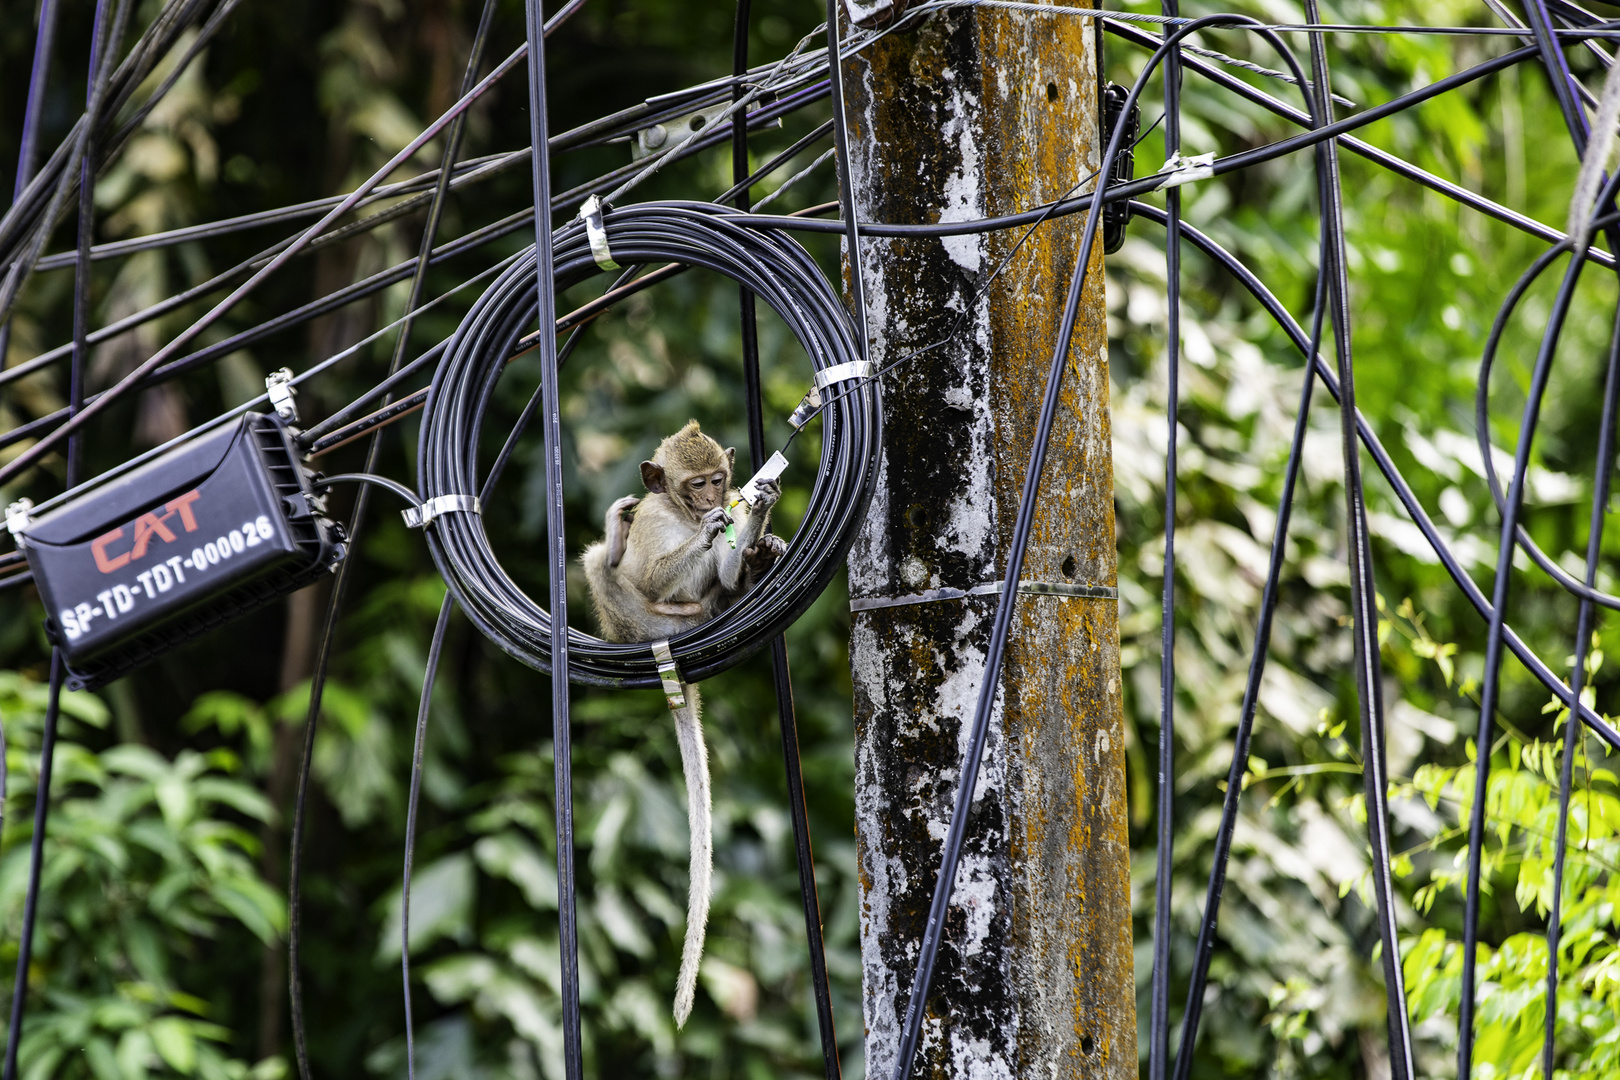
{"x": 780, "y": 273}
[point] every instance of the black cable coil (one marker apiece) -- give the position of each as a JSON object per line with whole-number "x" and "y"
{"x": 779, "y": 272}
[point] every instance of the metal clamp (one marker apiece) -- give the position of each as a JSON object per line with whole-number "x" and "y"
{"x": 279, "y": 385}
{"x": 420, "y": 517}
{"x": 673, "y": 694}
{"x": 855, "y": 369}
{"x": 591, "y": 214}
{"x": 17, "y": 518}
{"x": 1184, "y": 170}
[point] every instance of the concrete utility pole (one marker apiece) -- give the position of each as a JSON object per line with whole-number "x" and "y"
{"x": 977, "y": 113}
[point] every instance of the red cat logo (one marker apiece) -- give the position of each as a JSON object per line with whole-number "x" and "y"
{"x": 148, "y": 525}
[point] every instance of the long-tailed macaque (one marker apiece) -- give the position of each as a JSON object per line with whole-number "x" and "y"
{"x": 663, "y": 570}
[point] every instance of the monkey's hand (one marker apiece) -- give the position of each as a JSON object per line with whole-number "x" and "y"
{"x": 714, "y": 523}
{"x": 763, "y": 555}
{"x": 769, "y": 492}
{"x": 678, "y": 609}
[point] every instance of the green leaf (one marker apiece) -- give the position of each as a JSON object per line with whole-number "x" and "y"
{"x": 172, "y": 1037}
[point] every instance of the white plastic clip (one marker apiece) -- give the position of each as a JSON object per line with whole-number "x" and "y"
{"x": 420, "y": 517}
{"x": 673, "y": 694}
{"x": 279, "y": 385}
{"x": 855, "y": 369}
{"x": 17, "y": 518}
{"x": 1184, "y": 170}
{"x": 771, "y": 470}
{"x": 591, "y": 214}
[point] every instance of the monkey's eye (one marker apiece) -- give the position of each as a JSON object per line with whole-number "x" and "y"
{"x": 699, "y": 482}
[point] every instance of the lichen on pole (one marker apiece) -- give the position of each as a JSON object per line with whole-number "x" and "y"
{"x": 973, "y": 113}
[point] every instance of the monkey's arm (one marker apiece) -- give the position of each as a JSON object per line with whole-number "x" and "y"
{"x": 677, "y": 565}
{"x": 733, "y": 561}
{"x": 617, "y": 528}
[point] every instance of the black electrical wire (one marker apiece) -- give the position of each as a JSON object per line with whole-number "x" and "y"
{"x": 44, "y": 45}
{"x": 338, "y": 298}
{"x": 540, "y": 283}
{"x": 1369, "y": 676}
{"x": 1232, "y": 163}
{"x": 781, "y": 673}
{"x": 1565, "y": 580}
{"x": 779, "y": 272}
{"x": 412, "y": 802}
{"x": 1399, "y": 166}
{"x": 340, "y": 587}
{"x": 1159, "y": 987}
{"x": 1583, "y": 643}
{"x": 36, "y": 211}
{"x": 1490, "y": 685}
{"x": 1471, "y": 591}
{"x": 105, "y": 42}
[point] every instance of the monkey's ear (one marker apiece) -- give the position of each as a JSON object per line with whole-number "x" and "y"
{"x": 731, "y": 457}
{"x": 653, "y": 476}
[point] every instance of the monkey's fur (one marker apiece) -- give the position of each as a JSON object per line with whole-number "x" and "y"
{"x": 659, "y": 573}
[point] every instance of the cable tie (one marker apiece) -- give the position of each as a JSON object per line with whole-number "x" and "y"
{"x": 855, "y": 369}
{"x": 420, "y": 517}
{"x": 673, "y": 694}
{"x": 1180, "y": 170}
{"x": 591, "y": 214}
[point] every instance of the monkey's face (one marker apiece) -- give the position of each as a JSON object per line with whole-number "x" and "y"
{"x": 705, "y": 491}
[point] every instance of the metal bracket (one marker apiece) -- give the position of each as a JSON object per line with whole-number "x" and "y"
{"x": 649, "y": 140}
{"x": 420, "y": 517}
{"x": 590, "y": 212}
{"x": 17, "y": 518}
{"x": 279, "y": 385}
{"x": 674, "y": 696}
{"x": 855, "y": 369}
{"x": 1117, "y": 215}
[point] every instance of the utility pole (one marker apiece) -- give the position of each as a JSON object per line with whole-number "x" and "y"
{"x": 976, "y": 112}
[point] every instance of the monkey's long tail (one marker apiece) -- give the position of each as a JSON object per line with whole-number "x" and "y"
{"x": 695, "y": 764}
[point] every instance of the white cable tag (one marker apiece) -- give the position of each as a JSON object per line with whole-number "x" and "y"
{"x": 591, "y": 214}
{"x": 420, "y": 517}
{"x": 670, "y": 674}
{"x": 1184, "y": 170}
{"x": 771, "y": 470}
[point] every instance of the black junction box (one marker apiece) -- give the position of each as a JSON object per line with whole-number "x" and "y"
{"x": 151, "y": 559}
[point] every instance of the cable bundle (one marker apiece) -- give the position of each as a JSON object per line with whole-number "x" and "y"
{"x": 779, "y": 272}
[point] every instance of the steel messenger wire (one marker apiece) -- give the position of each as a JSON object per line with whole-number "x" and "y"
{"x": 781, "y": 673}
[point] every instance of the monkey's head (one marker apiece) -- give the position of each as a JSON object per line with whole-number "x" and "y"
{"x": 692, "y": 469}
